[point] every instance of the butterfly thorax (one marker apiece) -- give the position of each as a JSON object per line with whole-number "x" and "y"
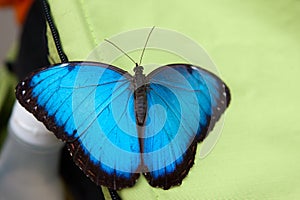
{"x": 140, "y": 97}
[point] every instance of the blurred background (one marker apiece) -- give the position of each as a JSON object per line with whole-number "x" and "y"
{"x": 8, "y": 31}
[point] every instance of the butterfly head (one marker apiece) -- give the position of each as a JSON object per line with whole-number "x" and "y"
{"x": 138, "y": 70}
{"x": 139, "y": 78}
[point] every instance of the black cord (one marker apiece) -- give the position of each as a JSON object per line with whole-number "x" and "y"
{"x": 114, "y": 194}
{"x": 54, "y": 31}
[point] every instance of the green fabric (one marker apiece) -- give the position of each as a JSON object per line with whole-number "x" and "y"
{"x": 256, "y": 46}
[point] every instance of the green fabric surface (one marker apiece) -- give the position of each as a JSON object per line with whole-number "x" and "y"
{"x": 256, "y": 46}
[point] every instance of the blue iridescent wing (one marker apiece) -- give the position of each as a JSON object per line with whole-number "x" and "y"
{"x": 184, "y": 103}
{"x": 90, "y": 106}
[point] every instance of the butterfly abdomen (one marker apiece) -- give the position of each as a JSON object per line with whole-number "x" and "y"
{"x": 140, "y": 105}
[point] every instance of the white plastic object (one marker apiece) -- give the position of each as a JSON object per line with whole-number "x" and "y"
{"x": 29, "y": 160}
{"x": 29, "y": 129}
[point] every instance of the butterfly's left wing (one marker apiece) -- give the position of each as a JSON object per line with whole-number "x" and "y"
{"x": 184, "y": 103}
{"x": 90, "y": 106}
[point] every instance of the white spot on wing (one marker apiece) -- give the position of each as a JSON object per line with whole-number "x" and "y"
{"x": 64, "y": 64}
{"x": 193, "y": 67}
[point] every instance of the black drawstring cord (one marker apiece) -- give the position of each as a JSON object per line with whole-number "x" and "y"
{"x": 114, "y": 194}
{"x": 54, "y": 32}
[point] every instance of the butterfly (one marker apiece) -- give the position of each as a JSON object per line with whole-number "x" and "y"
{"x": 117, "y": 125}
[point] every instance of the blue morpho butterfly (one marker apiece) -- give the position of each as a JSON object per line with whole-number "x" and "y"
{"x": 117, "y": 125}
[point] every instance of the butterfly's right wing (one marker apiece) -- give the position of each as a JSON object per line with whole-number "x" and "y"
{"x": 90, "y": 106}
{"x": 184, "y": 103}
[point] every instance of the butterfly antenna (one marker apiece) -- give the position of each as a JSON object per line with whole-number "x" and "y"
{"x": 120, "y": 50}
{"x": 146, "y": 45}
